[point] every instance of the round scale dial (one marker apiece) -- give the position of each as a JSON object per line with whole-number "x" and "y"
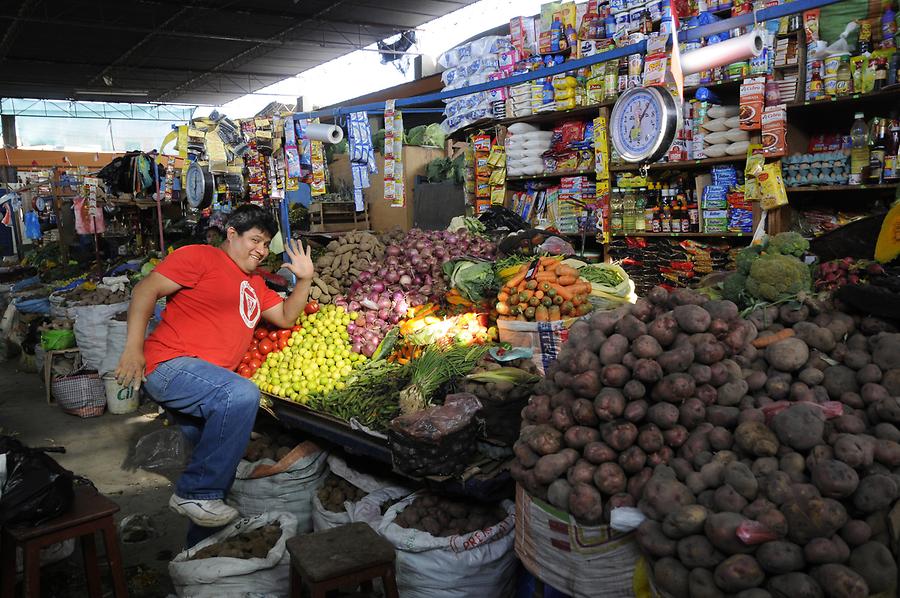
{"x": 643, "y": 124}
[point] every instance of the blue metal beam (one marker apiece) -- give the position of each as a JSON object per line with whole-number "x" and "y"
{"x": 775, "y": 12}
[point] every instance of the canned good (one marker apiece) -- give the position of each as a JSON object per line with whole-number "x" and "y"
{"x": 635, "y": 65}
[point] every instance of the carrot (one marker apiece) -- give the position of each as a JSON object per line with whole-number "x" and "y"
{"x": 564, "y": 292}
{"x": 539, "y": 294}
{"x": 521, "y": 286}
{"x": 549, "y": 262}
{"x": 541, "y": 314}
{"x": 525, "y": 295}
{"x": 515, "y": 280}
{"x": 765, "y": 341}
{"x": 567, "y": 280}
{"x": 545, "y": 277}
{"x": 502, "y": 297}
{"x": 582, "y": 288}
{"x": 554, "y": 313}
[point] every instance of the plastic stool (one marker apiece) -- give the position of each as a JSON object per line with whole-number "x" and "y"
{"x": 91, "y": 512}
{"x": 344, "y": 556}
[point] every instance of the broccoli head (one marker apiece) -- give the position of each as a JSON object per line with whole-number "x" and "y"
{"x": 774, "y": 276}
{"x": 746, "y": 257}
{"x": 788, "y": 244}
{"x": 733, "y": 287}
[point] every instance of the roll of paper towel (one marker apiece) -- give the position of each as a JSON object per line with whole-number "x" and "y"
{"x": 325, "y": 133}
{"x": 731, "y": 50}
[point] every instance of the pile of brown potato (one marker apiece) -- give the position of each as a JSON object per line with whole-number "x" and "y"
{"x": 99, "y": 296}
{"x": 784, "y": 483}
{"x": 628, "y": 389}
{"x": 335, "y": 491}
{"x": 269, "y": 446}
{"x": 254, "y": 544}
{"x": 444, "y": 517}
{"x": 345, "y": 258}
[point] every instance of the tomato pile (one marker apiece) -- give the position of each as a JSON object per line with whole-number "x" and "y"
{"x": 265, "y": 340}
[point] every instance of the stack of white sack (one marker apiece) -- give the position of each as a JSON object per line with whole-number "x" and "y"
{"x": 721, "y": 133}
{"x": 525, "y": 148}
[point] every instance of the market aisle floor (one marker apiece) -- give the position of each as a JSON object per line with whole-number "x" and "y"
{"x": 98, "y": 448}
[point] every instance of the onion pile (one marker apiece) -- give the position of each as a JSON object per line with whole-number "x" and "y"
{"x": 408, "y": 275}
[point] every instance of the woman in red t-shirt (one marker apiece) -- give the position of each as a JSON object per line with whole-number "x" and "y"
{"x": 214, "y": 302}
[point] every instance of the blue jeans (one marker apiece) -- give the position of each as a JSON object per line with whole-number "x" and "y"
{"x": 216, "y": 409}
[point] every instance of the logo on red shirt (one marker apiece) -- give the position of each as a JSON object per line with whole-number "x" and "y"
{"x": 249, "y": 307}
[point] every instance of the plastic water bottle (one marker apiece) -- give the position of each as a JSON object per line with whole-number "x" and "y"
{"x": 859, "y": 151}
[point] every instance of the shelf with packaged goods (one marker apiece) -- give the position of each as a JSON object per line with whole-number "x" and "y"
{"x": 550, "y": 175}
{"x": 826, "y": 188}
{"x": 890, "y": 93}
{"x": 682, "y": 235}
{"x": 680, "y": 165}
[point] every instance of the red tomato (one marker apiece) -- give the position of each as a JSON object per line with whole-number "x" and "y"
{"x": 253, "y": 345}
{"x": 273, "y": 336}
{"x": 266, "y": 346}
{"x": 260, "y": 333}
{"x": 282, "y": 343}
{"x": 244, "y": 371}
{"x": 311, "y": 307}
{"x": 259, "y": 356}
{"x": 284, "y": 334}
{"x": 255, "y": 363}
{"x": 247, "y": 357}
{"x": 296, "y": 328}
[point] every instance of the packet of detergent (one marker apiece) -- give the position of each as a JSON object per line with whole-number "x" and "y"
{"x": 771, "y": 184}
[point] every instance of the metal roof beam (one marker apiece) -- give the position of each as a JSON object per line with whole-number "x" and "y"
{"x": 12, "y": 31}
{"x": 162, "y": 69}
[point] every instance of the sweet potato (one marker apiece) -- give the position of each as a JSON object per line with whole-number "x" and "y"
{"x": 671, "y": 577}
{"x": 558, "y": 494}
{"x": 738, "y": 476}
{"x": 612, "y": 351}
{"x": 794, "y": 585}
{"x": 586, "y": 384}
{"x": 543, "y": 439}
{"x": 875, "y": 492}
{"x": 634, "y": 390}
{"x": 647, "y": 371}
{"x": 652, "y": 541}
{"x": 550, "y": 467}
{"x": 678, "y": 359}
{"x": 780, "y": 556}
{"x": 586, "y": 504}
{"x": 721, "y": 529}
{"x": 821, "y": 551}
{"x": 813, "y": 518}
{"x": 581, "y": 473}
{"x": 875, "y": 563}
{"x": 664, "y": 329}
{"x": 562, "y": 419}
{"x": 635, "y": 411}
{"x": 738, "y": 572}
{"x": 834, "y": 479}
{"x": 800, "y": 426}
{"x": 702, "y": 585}
{"x": 609, "y": 404}
{"x": 787, "y": 355}
{"x": 673, "y": 388}
{"x": 839, "y": 581}
{"x": 577, "y": 437}
{"x": 697, "y": 551}
{"x": 632, "y": 459}
{"x": 598, "y": 452}
{"x": 756, "y": 439}
{"x": 619, "y": 434}
{"x": 664, "y": 415}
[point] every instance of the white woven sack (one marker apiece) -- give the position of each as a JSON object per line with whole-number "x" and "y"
{"x": 476, "y": 565}
{"x": 91, "y": 325}
{"x": 290, "y": 489}
{"x": 222, "y": 577}
{"x": 576, "y": 559}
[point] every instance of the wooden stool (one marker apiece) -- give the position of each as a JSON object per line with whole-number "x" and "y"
{"x": 91, "y": 512}
{"x": 348, "y": 555}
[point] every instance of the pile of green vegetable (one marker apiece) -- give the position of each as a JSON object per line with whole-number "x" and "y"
{"x": 769, "y": 272}
{"x": 474, "y": 279}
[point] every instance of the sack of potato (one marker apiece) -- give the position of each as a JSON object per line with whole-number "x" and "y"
{"x": 247, "y": 557}
{"x": 343, "y": 260}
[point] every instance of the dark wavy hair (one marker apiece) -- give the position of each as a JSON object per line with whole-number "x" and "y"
{"x": 249, "y": 216}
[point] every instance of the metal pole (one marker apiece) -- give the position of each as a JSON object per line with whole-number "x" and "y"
{"x": 162, "y": 241}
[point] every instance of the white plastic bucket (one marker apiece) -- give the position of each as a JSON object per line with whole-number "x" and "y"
{"x": 119, "y": 399}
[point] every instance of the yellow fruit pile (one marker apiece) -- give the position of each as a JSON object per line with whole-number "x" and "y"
{"x": 316, "y": 361}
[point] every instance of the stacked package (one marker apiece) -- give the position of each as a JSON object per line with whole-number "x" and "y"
{"x": 485, "y": 59}
{"x": 525, "y": 147}
{"x": 719, "y": 134}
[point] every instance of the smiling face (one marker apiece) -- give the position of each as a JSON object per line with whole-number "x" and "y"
{"x": 248, "y": 249}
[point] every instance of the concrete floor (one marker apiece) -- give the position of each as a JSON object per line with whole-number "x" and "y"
{"x": 102, "y": 450}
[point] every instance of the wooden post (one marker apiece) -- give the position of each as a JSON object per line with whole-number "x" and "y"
{"x": 57, "y": 208}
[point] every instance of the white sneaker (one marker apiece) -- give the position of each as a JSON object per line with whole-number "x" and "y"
{"x": 205, "y": 513}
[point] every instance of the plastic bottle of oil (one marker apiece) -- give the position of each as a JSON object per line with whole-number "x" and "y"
{"x": 859, "y": 150}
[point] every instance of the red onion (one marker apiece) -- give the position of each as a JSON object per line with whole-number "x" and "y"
{"x": 378, "y": 286}
{"x": 392, "y": 276}
{"x": 393, "y": 250}
{"x": 384, "y": 314}
{"x": 384, "y": 302}
{"x": 354, "y": 306}
{"x": 405, "y": 280}
{"x": 452, "y": 239}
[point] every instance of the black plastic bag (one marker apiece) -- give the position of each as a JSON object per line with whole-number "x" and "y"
{"x": 37, "y": 488}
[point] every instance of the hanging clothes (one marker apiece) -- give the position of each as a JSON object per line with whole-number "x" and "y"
{"x": 88, "y": 219}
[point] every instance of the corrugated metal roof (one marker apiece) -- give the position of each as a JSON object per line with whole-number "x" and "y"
{"x": 185, "y": 51}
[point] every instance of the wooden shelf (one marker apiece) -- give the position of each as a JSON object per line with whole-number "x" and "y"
{"x": 683, "y": 235}
{"x": 682, "y": 165}
{"x": 825, "y": 188}
{"x": 892, "y": 93}
{"x": 550, "y": 175}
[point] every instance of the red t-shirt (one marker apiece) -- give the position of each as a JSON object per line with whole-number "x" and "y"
{"x": 214, "y": 315}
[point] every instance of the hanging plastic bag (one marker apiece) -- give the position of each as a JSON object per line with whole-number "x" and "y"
{"x": 37, "y": 488}
{"x": 32, "y": 225}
